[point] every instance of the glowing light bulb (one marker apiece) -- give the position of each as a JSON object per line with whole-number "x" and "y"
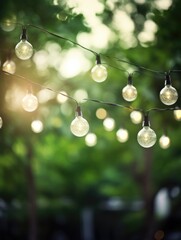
{"x": 1, "y": 122}
{"x": 99, "y": 72}
{"x": 8, "y": 24}
{"x": 177, "y": 114}
{"x": 164, "y": 141}
{"x": 146, "y": 137}
{"x": 136, "y": 117}
{"x": 9, "y": 66}
{"x": 79, "y": 126}
{"x": 24, "y": 49}
{"x": 122, "y": 135}
{"x": 129, "y": 92}
{"x": 37, "y": 126}
{"x": 30, "y": 102}
{"x": 91, "y": 139}
{"x": 109, "y": 124}
{"x": 101, "y": 113}
{"x": 168, "y": 95}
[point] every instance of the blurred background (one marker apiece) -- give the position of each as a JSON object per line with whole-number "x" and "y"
{"x": 103, "y": 186}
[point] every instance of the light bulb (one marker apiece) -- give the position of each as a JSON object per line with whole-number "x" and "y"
{"x": 177, "y": 114}
{"x": 79, "y": 126}
{"x": 136, "y": 117}
{"x": 30, "y": 102}
{"x": 99, "y": 73}
{"x": 109, "y": 124}
{"x": 1, "y": 122}
{"x": 122, "y": 135}
{"x": 164, "y": 141}
{"x": 9, "y": 66}
{"x": 24, "y": 49}
{"x": 129, "y": 93}
{"x": 146, "y": 137}
{"x": 91, "y": 139}
{"x": 37, "y": 126}
{"x": 101, "y": 113}
{"x": 168, "y": 95}
{"x": 8, "y": 24}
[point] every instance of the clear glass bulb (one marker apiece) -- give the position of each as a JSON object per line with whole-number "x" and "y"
{"x": 177, "y": 114}
{"x": 164, "y": 141}
{"x": 9, "y": 66}
{"x": 37, "y": 126}
{"x": 30, "y": 102}
{"x": 1, "y": 122}
{"x": 79, "y": 126}
{"x": 122, "y": 135}
{"x": 168, "y": 95}
{"x": 129, "y": 93}
{"x": 99, "y": 73}
{"x": 136, "y": 117}
{"x": 91, "y": 139}
{"x": 24, "y": 50}
{"x": 146, "y": 137}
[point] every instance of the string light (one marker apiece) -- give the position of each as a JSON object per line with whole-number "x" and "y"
{"x": 9, "y": 66}
{"x": 91, "y": 139}
{"x": 122, "y": 135}
{"x": 146, "y": 136}
{"x": 30, "y": 102}
{"x": 37, "y": 126}
{"x": 177, "y": 114}
{"x": 101, "y": 113}
{"x": 9, "y": 25}
{"x": 79, "y": 126}
{"x": 109, "y": 124}
{"x": 99, "y": 72}
{"x": 168, "y": 95}
{"x": 136, "y": 117}
{"x": 129, "y": 92}
{"x": 164, "y": 141}
{"x": 24, "y": 49}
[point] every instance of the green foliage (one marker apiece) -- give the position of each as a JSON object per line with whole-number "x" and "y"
{"x": 63, "y": 166}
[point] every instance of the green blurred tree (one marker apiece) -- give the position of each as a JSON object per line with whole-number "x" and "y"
{"x": 54, "y": 165}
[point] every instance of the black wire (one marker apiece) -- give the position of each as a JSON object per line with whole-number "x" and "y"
{"x": 39, "y": 85}
{"x": 113, "y": 104}
{"x": 145, "y": 112}
{"x": 121, "y": 69}
{"x": 94, "y": 52}
{"x": 63, "y": 38}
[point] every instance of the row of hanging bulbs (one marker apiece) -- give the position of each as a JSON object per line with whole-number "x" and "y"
{"x": 168, "y": 95}
{"x": 146, "y": 137}
{"x": 80, "y": 127}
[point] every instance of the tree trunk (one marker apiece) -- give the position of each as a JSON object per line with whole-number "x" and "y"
{"x": 148, "y": 195}
{"x": 32, "y": 235}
